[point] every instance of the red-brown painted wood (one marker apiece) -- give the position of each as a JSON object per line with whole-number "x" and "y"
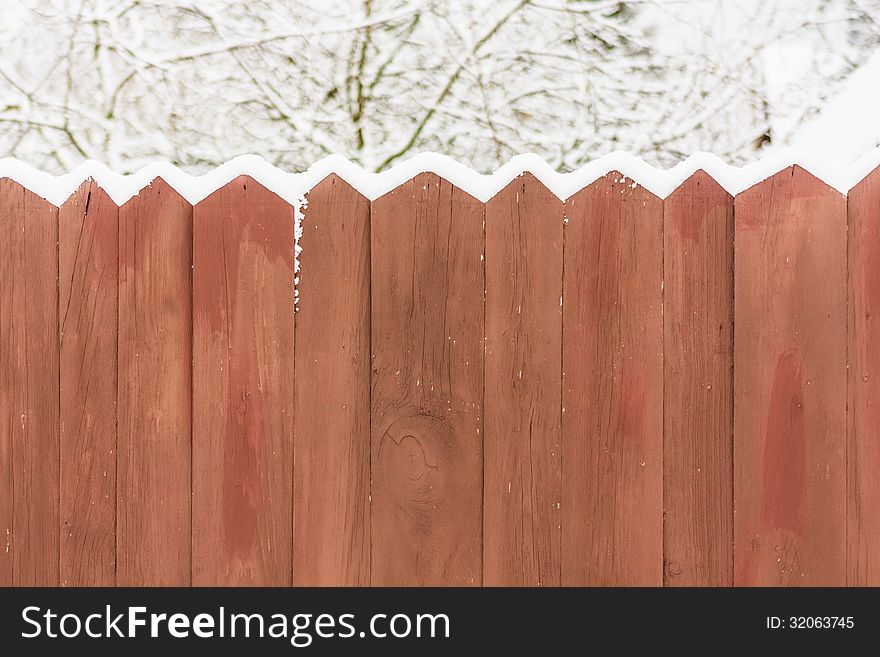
{"x": 331, "y": 528}
{"x": 790, "y": 383}
{"x": 28, "y": 388}
{"x": 155, "y": 385}
{"x": 698, "y": 402}
{"x": 88, "y": 250}
{"x": 243, "y": 374}
{"x": 521, "y": 491}
{"x": 245, "y": 444}
{"x": 427, "y": 362}
{"x": 863, "y": 448}
{"x": 612, "y": 391}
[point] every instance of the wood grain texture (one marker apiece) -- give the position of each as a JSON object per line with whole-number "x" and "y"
{"x": 28, "y": 388}
{"x": 243, "y": 346}
{"x": 88, "y": 289}
{"x": 10, "y": 366}
{"x": 612, "y": 391}
{"x": 863, "y": 448}
{"x": 790, "y": 383}
{"x": 427, "y": 321}
{"x": 523, "y": 386}
{"x": 155, "y": 386}
{"x": 331, "y": 477}
{"x": 523, "y": 392}
{"x": 698, "y": 401}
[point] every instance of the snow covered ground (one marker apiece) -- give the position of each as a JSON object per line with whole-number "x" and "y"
{"x": 848, "y": 126}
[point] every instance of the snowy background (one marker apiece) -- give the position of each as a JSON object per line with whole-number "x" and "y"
{"x": 197, "y": 82}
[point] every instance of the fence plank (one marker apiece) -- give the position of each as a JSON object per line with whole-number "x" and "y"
{"x": 863, "y": 450}
{"x": 427, "y": 324}
{"x": 11, "y": 363}
{"x": 28, "y": 388}
{"x": 88, "y": 288}
{"x": 523, "y": 386}
{"x": 155, "y": 386}
{"x": 331, "y": 544}
{"x": 612, "y": 420}
{"x": 698, "y": 355}
{"x": 790, "y": 383}
{"x": 243, "y": 332}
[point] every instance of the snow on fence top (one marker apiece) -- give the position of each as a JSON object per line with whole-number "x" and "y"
{"x": 292, "y": 187}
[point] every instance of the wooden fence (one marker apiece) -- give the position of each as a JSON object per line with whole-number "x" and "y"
{"x": 611, "y": 390}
